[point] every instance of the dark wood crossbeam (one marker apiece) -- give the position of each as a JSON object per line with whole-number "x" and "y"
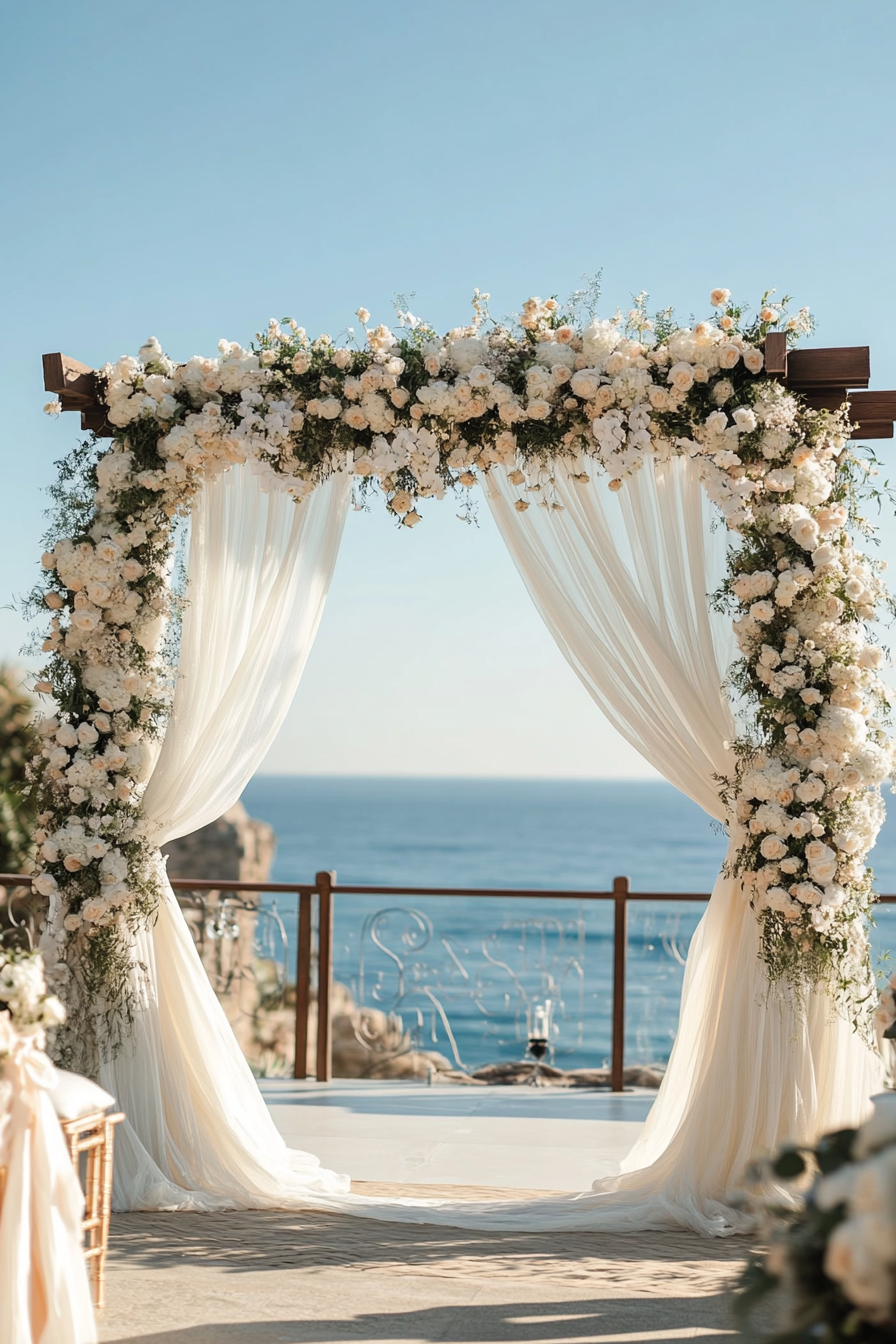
{"x": 76, "y": 386}
{"x": 825, "y": 376}
{"x": 829, "y": 376}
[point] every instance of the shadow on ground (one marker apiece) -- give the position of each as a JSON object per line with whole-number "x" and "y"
{"x": 622, "y": 1321}
{"x": 240, "y": 1242}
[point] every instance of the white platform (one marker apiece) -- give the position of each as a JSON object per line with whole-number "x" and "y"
{"x": 518, "y": 1137}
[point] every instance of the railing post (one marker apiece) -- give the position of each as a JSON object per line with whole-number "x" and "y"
{"x": 303, "y": 984}
{"x": 621, "y": 887}
{"x": 324, "y": 883}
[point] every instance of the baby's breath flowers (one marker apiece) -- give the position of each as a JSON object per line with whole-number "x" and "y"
{"x": 413, "y": 414}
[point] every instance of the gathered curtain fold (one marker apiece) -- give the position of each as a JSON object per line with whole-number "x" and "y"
{"x": 623, "y": 585}
{"x": 44, "y": 1287}
{"x": 198, "y": 1134}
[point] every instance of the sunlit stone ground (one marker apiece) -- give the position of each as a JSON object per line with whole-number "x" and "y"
{"x": 310, "y": 1278}
{"x": 447, "y": 1134}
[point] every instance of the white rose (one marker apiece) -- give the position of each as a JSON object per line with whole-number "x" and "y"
{"x": 401, "y": 502}
{"x": 824, "y": 555}
{"x": 355, "y": 418}
{"x": 729, "y": 354}
{"x": 719, "y": 297}
{"x": 753, "y": 359}
{"x": 745, "y": 419}
{"x": 681, "y": 376}
{"x": 772, "y": 848}
{"x": 830, "y": 517}
{"x": 585, "y": 383}
{"x": 781, "y": 479}
{"x": 805, "y": 533}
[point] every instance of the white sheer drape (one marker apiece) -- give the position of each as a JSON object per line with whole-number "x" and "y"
{"x": 622, "y": 587}
{"x": 198, "y": 1134}
{"x": 622, "y": 584}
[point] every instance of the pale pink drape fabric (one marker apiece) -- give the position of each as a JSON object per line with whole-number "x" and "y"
{"x": 44, "y": 1288}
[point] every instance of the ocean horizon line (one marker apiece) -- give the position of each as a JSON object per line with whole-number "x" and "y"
{"x": 460, "y": 778}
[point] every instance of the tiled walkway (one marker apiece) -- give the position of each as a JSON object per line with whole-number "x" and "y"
{"x": 316, "y": 1278}
{"x": 312, "y": 1278}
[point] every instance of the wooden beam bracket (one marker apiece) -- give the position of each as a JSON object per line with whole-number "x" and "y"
{"x": 76, "y": 386}
{"x": 775, "y": 351}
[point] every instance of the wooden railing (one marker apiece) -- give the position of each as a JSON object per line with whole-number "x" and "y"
{"x": 317, "y": 898}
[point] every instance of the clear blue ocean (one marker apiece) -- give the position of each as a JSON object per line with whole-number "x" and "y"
{"x": 461, "y": 971}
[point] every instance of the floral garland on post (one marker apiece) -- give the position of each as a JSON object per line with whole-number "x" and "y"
{"x": 415, "y": 414}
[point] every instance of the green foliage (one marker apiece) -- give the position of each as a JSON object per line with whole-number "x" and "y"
{"x": 17, "y": 746}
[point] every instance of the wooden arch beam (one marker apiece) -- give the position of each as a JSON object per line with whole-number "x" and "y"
{"x": 76, "y": 386}
{"x": 825, "y": 376}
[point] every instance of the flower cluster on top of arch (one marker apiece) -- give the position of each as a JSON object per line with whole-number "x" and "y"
{"x": 415, "y": 414}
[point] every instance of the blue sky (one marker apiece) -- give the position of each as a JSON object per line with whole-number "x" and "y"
{"x": 189, "y": 170}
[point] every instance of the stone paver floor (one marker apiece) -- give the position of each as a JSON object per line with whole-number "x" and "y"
{"x": 311, "y": 1278}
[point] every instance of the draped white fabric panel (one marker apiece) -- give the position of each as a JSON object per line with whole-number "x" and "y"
{"x": 622, "y": 586}
{"x": 621, "y": 582}
{"x": 259, "y": 570}
{"x": 198, "y": 1134}
{"x": 44, "y": 1289}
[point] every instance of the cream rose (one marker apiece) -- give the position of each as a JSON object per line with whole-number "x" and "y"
{"x": 681, "y": 376}
{"x": 401, "y": 502}
{"x": 773, "y": 848}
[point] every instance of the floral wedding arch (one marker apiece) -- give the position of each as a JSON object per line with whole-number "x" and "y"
{"x": 548, "y": 414}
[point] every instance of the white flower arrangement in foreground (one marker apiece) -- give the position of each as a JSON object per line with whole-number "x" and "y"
{"x": 27, "y": 1010}
{"x": 834, "y": 1249}
{"x": 416, "y": 414}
